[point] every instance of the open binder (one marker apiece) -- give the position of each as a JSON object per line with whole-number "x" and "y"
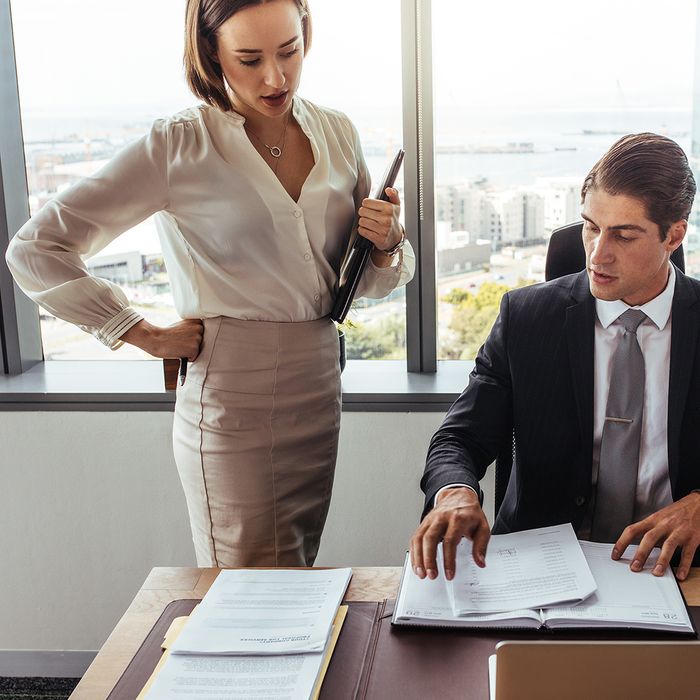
{"x": 359, "y": 250}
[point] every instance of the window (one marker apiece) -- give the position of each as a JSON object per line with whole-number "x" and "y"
{"x": 91, "y": 88}
{"x": 354, "y": 65}
{"x": 520, "y": 118}
{"x": 526, "y": 98}
{"x": 94, "y": 94}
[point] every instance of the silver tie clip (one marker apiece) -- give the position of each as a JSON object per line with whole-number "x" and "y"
{"x": 612, "y": 419}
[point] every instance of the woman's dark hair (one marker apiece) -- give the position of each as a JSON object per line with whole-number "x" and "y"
{"x": 651, "y": 168}
{"x": 202, "y": 21}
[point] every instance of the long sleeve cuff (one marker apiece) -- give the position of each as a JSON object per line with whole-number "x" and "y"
{"x": 110, "y": 333}
{"x": 378, "y": 282}
{"x": 451, "y": 486}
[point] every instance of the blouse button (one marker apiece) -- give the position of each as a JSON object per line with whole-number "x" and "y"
{"x": 316, "y": 297}
{"x": 297, "y": 214}
{"x": 307, "y": 257}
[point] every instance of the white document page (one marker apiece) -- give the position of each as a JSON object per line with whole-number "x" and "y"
{"x": 624, "y": 596}
{"x": 257, "y": 611}
{"x": 289, "y": 677}
{"x": 426, "y": 602}
{"x": 529, "y": 569}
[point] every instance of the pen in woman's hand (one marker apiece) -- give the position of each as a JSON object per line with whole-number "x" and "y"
{"x": 183, "y": 370}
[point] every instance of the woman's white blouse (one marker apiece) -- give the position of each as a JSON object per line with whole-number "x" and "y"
{"x": 234, "y": 242}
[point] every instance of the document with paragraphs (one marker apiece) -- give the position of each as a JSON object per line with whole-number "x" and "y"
{"x": 265, "y": 611}
{"x": 289, "y": 677}
{"x": 226, "y": 677}
{"x": 623, "y": 598}
{"x": 529, "y": 566}
{"x": 530, "y": 569}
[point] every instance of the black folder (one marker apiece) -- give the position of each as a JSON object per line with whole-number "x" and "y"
{"x": 359, "y": 250}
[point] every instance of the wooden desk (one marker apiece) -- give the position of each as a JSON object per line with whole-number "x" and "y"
{"x": 166, "y": 584}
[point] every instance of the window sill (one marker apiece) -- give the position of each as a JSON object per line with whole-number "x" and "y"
{"x": 112, "y": 385}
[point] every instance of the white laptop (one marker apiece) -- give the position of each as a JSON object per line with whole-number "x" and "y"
{"x": 554, "y": 670}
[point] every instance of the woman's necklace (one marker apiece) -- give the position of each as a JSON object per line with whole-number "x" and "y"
{"x": 275, "y": 151}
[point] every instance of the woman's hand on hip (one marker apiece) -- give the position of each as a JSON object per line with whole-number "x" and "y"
{"x": 379, "y": 220}
{"x": 182, "y": 339}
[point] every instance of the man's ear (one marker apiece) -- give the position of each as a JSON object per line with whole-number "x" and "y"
{"x": 676, "y": 234}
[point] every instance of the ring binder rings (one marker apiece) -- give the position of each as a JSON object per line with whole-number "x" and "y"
{"x": 359, "y": 250}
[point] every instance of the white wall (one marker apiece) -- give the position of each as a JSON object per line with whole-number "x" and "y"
{"x": 90, "y": 502}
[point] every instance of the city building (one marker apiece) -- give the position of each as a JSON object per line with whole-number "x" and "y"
{"x": 122, "y": 268}
{"x": 562, "y": 200}
{"x": 459, "y": 251}
{"x": 465, "y": 258}
{"x": 521, "y": 213}
{"x": 468, "y": 207}
{"x": 520, "y": 216}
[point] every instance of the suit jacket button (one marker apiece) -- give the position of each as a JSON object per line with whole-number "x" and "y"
{"x": 580, "y": 500}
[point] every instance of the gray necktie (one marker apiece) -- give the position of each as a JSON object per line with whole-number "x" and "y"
{"x": 619, "y": 447}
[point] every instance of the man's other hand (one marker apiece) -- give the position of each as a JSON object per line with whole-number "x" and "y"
{"x": 676, "y": 525}
{"x": 456, "y": 514}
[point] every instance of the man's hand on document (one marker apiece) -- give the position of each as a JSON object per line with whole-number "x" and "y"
{"x": 676, "y": 525}
{"x": 457, "y": 514}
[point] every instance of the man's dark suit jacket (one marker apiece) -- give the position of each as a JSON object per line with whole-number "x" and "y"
{"x": 533, "y": 380}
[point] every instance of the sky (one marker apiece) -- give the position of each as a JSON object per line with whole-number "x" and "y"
{"x": 504, "y": 55}
{"x": 594, "y": 54}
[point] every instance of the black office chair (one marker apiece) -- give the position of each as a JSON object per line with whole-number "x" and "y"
{"x": 565, "y": 256}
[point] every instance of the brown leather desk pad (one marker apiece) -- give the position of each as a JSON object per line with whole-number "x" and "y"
{"x": 373, "y": 661}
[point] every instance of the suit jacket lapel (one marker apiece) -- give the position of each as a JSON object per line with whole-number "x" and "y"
{"x": 580, "y": 329}
{"x": 684, "y": 337}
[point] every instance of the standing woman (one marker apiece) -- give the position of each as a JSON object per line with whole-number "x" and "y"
{"x": 255, "y": 192}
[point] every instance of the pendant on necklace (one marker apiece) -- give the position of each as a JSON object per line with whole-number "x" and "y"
{"x": 275, "y": 151}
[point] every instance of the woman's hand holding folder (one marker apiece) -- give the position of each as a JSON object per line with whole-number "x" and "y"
{"x": 379, "y": 223}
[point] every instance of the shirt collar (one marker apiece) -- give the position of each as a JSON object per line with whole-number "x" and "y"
{"x": 658, "y": 309}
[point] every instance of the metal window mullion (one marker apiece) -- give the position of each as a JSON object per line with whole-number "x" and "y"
{"x": 20, "y": 333}
{"x": 419, "y": 190}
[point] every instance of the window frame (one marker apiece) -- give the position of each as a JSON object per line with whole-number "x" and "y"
{"x": 419, "y": 183}
{"x": 20, "y": 335}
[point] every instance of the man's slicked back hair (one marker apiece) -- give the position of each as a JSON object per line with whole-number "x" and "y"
{"x": 651, "y": 168}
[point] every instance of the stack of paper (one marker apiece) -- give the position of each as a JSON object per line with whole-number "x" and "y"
{"x": 257, "y": 633}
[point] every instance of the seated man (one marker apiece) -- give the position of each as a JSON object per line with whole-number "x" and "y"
{"x": 594, "y": 378}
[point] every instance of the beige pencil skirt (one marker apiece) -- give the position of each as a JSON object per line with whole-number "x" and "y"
{"x": 255, "y": 439}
